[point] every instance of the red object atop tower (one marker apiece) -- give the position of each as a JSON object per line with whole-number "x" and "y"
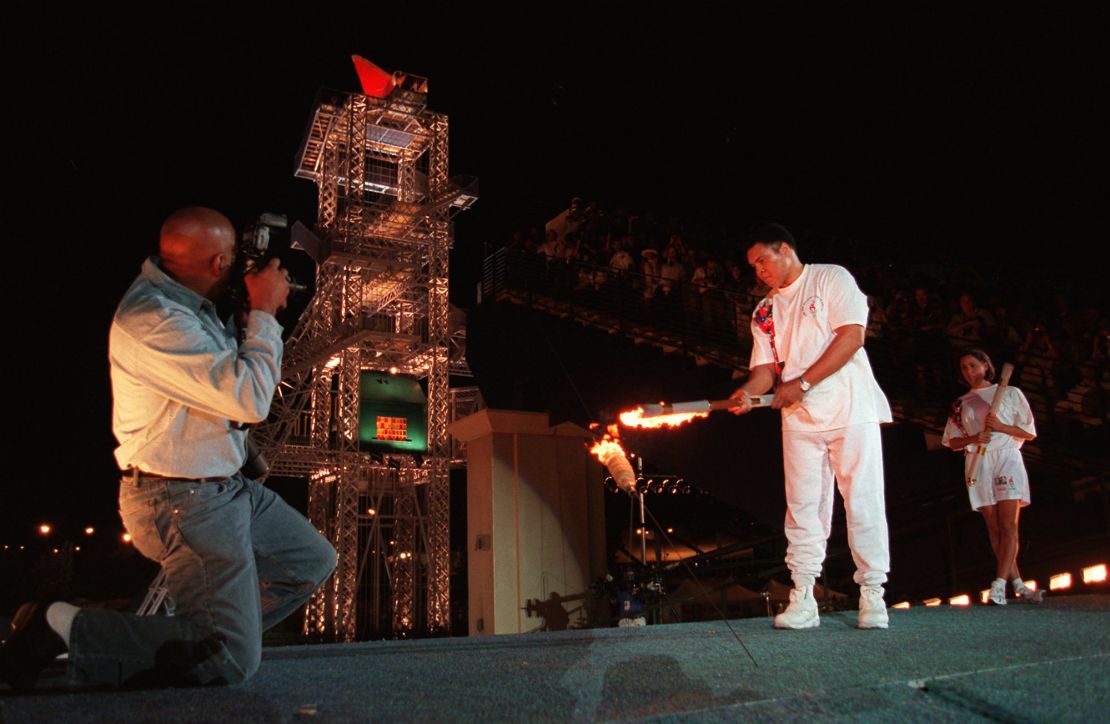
{"x": 375, "y": 81}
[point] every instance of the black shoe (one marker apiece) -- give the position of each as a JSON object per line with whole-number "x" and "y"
{"x": 31, "y": 647}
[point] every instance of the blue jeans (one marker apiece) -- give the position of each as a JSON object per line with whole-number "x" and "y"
{"x": 237, "y": 558}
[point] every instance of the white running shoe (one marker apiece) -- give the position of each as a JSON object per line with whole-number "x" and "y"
{"x": 872, "y": 608}
{"x": 802, "y": 611}
{"x": 998, "y": 593}
{"x": 1028, "y": 595}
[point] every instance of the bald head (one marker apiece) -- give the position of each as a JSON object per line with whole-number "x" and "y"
{"x": 197, "y": 248}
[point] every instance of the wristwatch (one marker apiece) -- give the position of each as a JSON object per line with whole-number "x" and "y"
{"x": 805, "y": 385}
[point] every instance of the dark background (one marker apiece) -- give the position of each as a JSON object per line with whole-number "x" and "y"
{"x": 967, "y": 132}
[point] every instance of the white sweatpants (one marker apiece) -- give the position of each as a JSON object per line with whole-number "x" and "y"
{"x": 853, "y": 456}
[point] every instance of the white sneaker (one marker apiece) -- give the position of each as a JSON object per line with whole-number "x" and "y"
{"x": 872, "y": 608}
{"x": 998, "y": 593}
{"x": 802, "y": 611}
{"x": 1028, "y": 595}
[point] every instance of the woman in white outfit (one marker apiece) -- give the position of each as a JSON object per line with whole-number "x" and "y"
{"x": 1003, "y": 484}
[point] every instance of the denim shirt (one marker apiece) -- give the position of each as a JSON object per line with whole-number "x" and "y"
{"x": 181, "y": 382}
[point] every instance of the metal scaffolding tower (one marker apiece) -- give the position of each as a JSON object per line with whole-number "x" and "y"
{"x": 383, "y": 236}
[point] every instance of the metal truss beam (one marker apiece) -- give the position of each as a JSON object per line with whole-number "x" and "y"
{"x": 385, "y": 205}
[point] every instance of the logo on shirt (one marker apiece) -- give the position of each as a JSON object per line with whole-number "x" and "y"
{"x": 813, "y": 306}
{"x": 764, "y": 317}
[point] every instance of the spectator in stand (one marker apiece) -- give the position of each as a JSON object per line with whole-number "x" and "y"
{"x": 1062, "y": 306}
{"x": 1004, "y": 332}
{"x": 926, "y": 315}
{"x": 1068, "y": 340}
{"x": 726, "y": 272}
{"x": 678, "y": 245}
{"x": 876, "y": 316}
{"x": 897, "y": 313}
{"x": 516, "y": 241}
{"x": 1100, "y": 344}
{"x": 1037, "y": 357}
{"x": 592, "y": 222}
{"x": 568, "y": 220}
{"x": 971, "y": 325}
{"x": 1093, "y": 327}
{"x": 589, "y": 276}
{"x": 742, "y": 304}
{"x": 691, "y": 261}
{"x": 621, "y": 261}
{"x": 672, "y": 272}
{"x": 707, "y": 278}
{"x": 534, "y": 239}
{"x": 553, "y": 248}
{"x": 757, "y": 289}
{"x": 926, "y": 325}
{"x": 707, "y": 275}
{"x": 1100, "y": 359}
{"x": 652, "y": 272}
{"x": 896, "y": 325}
{"x": 576, "y": 248}
{"x": 734, "y": 282}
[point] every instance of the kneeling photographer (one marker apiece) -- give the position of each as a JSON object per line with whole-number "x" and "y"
{"x": 186, "y": 381}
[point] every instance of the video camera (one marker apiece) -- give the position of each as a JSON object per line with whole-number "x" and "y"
{"x": 255, "y": 249}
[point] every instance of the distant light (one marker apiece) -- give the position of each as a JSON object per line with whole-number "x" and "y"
{"x": 332, "y": 363}
{"x": 1095, "y": 574}
{"x": 77, "y": 548}
{"x": 962, "y": 600}
{"x": 903, "y": 604}
{"x": 45, "y": 529}
{"x": 670, "y": 530}
{"x": 22, "y": 547}
{"x": 371, "y": 512}
{"x": 1059, "y": 582}
{"x": 5, "y": 546}
{"x": 90, "y": 530}
{"x": 932, "y": 601}
{"x": 403, "y": 555}
{"x": 985, "y": 596}
{"x": 126, "y": 537}
{"x": 394, "y": 370}
{"x": 55, "y": 550}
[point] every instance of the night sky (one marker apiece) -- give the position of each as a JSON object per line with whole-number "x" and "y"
{"x": 975, "y": 132}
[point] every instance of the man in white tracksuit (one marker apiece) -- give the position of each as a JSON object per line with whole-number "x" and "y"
{"x": 808, "y": 344}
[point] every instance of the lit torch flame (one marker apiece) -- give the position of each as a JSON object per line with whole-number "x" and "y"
{"x": 609, "y": 451}
{"x": 635, "y": 418}
{"x": 673, "y": 414}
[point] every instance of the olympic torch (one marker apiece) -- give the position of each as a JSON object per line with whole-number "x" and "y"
{"x": 672, "y": 414}
{"x": 1003, "y": 383}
